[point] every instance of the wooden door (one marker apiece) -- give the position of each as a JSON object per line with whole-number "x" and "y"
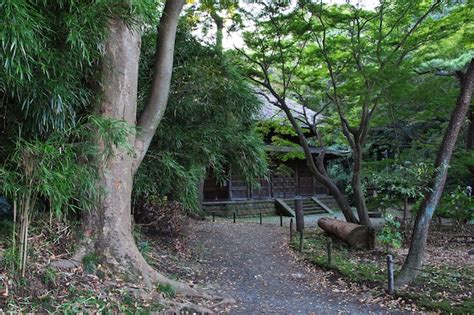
{"x": 284, "y": 182}
{"x": 212, "y": 191}
{"x": 262, "y": 192}
{"x": 239, "y": 189}
{"x": 305, "y": 180}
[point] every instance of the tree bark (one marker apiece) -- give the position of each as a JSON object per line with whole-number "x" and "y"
{"x": 318, "y": 171}
{"x": 359, "y": 197}
{"x": 413, "y": 262}
{"x": 108, "y": 229}
{"x": 405, "y": 212}
{"x": 470, "y": 142}
{"x": 357, "y": 236}
{"x": 162, "y": 69}
{"x": 219, "y": 21}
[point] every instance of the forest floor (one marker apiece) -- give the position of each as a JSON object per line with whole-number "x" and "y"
{"x": 254, "y": 264}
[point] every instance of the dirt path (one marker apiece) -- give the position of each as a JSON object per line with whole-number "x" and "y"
{"x": 253, "y": 264}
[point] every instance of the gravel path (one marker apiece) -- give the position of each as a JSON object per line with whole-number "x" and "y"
{"x": 253, "y": 264}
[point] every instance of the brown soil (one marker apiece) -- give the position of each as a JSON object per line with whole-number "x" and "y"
{"x": 254, "y": 264}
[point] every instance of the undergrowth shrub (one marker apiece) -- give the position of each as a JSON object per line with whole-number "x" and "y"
{"x": 390, "y": 236}
{"x": 457, "y": 205}
{"x": 157, "y": 215}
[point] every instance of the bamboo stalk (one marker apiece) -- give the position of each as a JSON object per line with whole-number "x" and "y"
{"x": 14, "y": 234}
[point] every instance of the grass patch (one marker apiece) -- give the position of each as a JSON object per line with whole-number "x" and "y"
{"x": 49, "y": 276}
{"x": 90, "y": 262}
{"x": 316, "y": 248}
{"x": 167, "y": 290}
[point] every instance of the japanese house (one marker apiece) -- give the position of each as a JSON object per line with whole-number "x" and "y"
{"x": 286, "y": 180}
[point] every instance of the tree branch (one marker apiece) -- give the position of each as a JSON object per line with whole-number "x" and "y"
{"x": 412, "y": 29}
{"x": 162, "y": 69}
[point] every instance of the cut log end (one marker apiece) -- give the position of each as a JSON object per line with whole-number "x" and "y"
{"x": 355, "y": 235}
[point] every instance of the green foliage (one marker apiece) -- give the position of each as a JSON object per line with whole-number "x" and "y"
{"x": 50, "y": 53}
{"x": 167, "y": 167}
{"x": 50, "y": 169}
{"x": 48, "y": 50}
{"x": 390, "y": 235}
{"x": 90, "y": 262}
{"x": 283, "y": 170}
{"x": 361, "y": 62}
{"x": 457, "y": 204}
{"x": 61, "y": 168}
{"x": 166, "y": 289}
{"x": 341, "y": 175}
{"x": 10, "y": 259}
{"x": 396, "y": 182}
{"x": 111, "y": 133}
{"x": 49, "y": 276}
{"x": 208, "y": 127}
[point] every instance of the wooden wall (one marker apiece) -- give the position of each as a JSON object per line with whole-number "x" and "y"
{"x": 297, "y": 182}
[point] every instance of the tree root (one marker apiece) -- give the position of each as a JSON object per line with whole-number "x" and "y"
{"x": 178, "y": 307}
{"x": 76, "y": 260}
{"x": 140, "y": 269}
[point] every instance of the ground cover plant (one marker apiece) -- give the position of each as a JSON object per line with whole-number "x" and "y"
{"x": 445, "y": 284}
{"x": 91, "y": 286}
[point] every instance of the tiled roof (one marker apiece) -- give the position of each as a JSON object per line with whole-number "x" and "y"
{"x": 271, "y": 112}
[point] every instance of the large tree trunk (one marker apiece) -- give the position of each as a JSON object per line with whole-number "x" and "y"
{"x": 413, "y": 262}
{"x": 108, "y": 229}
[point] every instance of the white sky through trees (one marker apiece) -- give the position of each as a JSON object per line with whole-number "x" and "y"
{"x": 234, "y": 39}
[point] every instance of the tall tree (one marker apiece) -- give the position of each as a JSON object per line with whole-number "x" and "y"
{"x": 108, "y": 229}
{"x": 413, "y": 262}
{"x": 273, "y": 57}
{"x": 344, "y": 57}
{"x": 362, "y": 52}
{"x": 209, "y": 13}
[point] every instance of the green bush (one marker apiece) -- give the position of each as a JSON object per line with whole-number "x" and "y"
{"x": 390, "y": 235}
{"x": 398, "y": 182}
{"x": 457, "y": 205}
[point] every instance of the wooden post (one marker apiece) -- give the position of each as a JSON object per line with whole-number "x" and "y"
{"x": 301, "y": 240}
{"x": 299, "y": 214}
{"x": 291, "y": 230}
{"x": 390, "y": 274}
{"x": 260, "y": 218}
{"x": 234, "y": 216}
{"x": 329, "y": 249}
{"x": 281, "y": 220}
{"x": 213, "y": 217}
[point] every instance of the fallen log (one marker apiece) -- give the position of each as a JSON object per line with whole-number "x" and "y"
{"x": 355, "y": 235}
